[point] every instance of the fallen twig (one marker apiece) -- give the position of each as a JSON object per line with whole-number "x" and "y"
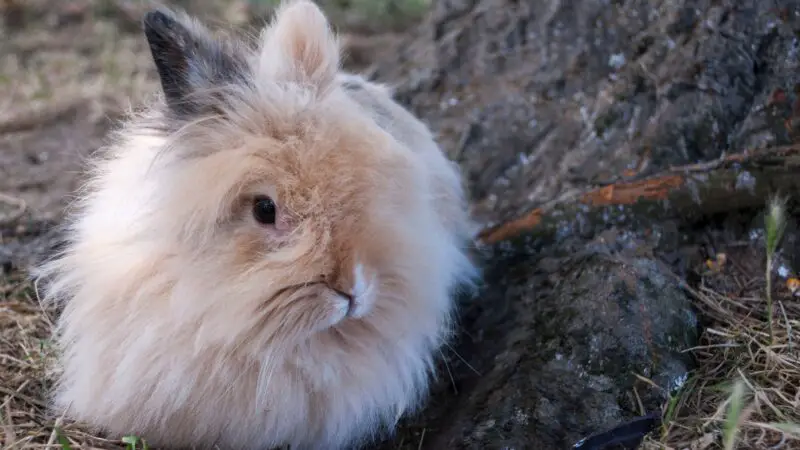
{"x": 734, "y": 181}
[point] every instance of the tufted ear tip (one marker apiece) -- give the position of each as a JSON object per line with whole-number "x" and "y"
{"x": 188, "y": 59}
{"x": 160, "y": 23}
{"x": 155, "y": 19}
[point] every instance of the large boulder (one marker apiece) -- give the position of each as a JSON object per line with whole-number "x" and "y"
{"x": 538, "y": 100}
{"x": 553, "y": 347}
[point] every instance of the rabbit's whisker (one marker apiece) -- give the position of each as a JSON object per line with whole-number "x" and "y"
{"x": 286, "y": 289}
{"x": 284, "y": 328}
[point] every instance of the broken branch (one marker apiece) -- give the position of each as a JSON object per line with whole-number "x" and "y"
{"x": 736, "y": 181}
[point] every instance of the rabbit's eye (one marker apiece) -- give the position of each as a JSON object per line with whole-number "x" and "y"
{"x": 264, "y": 210}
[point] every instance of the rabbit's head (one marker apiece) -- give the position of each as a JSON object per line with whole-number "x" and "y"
{"x": 272, "y": 198}
{"x": 267, "y": 204}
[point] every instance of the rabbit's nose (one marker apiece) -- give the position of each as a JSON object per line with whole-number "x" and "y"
{"x": 351, "y": 301}
{"x": 356, "y": 288}
{"x": 362, "y": 292}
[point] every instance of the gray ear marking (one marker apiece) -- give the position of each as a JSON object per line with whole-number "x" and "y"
{"x": 188, "y": 60}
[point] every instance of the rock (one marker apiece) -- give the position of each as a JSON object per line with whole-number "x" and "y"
{"x": 538, "y": 100}
{"x": 27, "y": 241}
{"x": 6, "y": 264}
{"x": 552, "y": 345}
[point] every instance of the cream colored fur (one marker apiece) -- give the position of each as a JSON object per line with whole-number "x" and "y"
{"x": 174, "y": 325}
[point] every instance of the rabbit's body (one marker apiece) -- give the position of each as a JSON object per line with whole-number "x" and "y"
{"x": 266, "y": 257}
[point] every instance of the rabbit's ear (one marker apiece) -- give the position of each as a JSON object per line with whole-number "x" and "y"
{"x": 189, "y": 61}
{"x": 300, "y": 46}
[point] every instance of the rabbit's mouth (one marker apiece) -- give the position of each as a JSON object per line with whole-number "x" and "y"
{"x": 351, "y": 300}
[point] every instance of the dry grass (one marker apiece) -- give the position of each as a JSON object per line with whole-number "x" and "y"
{"x": 25, "y": 357}
{"x": 91, "y": 59}
{"x": 745, "y": 391}
{"x": 92, "y": 50}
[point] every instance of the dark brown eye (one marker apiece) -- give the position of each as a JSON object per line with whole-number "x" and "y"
{"x": 264, "y": 210}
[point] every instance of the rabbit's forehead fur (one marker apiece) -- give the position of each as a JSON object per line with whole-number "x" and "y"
{"x": 344, "y": 185}
{"x": 325, "y": 162}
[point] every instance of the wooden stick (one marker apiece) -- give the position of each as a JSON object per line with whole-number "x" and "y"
{"x": 732, "y": 182}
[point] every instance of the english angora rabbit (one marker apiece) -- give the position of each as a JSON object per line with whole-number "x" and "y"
{"x": 267, "y": 255}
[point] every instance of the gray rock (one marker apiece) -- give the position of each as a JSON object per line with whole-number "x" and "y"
{"x": 26, "y": 241}
{"x": 550, "y": 349}
{"x": 542, "y": 99}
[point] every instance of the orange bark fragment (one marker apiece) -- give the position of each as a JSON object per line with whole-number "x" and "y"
{"x": 627, "y": 193}
{"x": 793, "y": 285}
{"x": 630, "y": 193}
{"x": 526, "y": 222}
{"x": 615, "y": 194}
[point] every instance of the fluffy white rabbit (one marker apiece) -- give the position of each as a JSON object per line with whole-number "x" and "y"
{"x": 267, "y": 255}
